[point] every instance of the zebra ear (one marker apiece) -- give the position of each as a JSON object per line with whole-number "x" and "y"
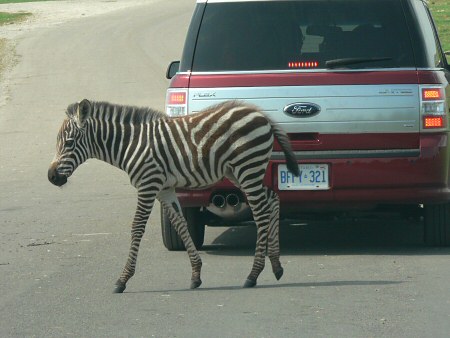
{"x": 83, "y": 112}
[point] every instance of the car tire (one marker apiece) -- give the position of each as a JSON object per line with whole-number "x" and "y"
{"x": 172, "y": 241}
{"x": 437, "y": 224}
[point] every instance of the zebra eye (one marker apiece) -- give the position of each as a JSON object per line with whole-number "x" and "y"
{"x": 70, "y": 143}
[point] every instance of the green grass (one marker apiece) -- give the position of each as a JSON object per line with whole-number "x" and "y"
{"x": 7, "y": 18}
{"x": 440, "y": 10}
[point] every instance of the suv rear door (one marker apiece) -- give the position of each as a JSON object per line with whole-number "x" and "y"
{"x": 351, "y": 59}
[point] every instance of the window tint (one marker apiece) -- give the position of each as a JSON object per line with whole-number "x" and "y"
{"x": 302, "y": 35}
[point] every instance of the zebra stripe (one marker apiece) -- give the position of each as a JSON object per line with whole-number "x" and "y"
{"x": 231, "y": 140}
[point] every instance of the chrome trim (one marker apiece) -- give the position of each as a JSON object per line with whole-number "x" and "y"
{"x": 183, "y": 73}
{"x": 316, "y": 70}
{"x": 289, "y": 71}
{"x": 355, "y": 109}
{"x": 434, "y": 69}
{"x": 348, "y": 154}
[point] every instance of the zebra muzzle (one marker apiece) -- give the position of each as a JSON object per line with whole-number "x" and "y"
{"x": 54, "y": 177}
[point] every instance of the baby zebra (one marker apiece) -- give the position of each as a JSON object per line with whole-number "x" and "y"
{"x": 160, "y": 153}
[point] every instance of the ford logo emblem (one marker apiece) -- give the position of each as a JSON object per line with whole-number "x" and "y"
{"x": 302, "y": 109}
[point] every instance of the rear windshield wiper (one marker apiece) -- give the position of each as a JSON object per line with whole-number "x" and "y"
{"x": 352, "y": 61}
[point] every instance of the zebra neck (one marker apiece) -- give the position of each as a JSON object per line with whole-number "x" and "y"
{"x": 123, "y": 145}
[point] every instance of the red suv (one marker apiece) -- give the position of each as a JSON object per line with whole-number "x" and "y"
{"x": 361, "y": 87}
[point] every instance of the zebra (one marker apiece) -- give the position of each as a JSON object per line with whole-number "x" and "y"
{"x": 232, "y": 140}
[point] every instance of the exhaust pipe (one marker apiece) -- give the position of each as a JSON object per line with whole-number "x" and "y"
{"x": 232, "y": 200}
{"x": 229, "y": 206}
{"x": 219, "y": 201}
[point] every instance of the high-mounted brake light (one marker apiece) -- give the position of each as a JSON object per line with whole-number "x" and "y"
{"x": 429, "y": 94}
{"x": 430, "y": 122}
{"x": 303, "y": 64}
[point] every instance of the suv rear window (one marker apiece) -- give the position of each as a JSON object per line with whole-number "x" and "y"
{"x": 284, "y": 35}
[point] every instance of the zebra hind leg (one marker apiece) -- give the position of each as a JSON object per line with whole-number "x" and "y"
{"x": 172, "y": 208}
{"x": 273, "y": 249}
{"x": 258, "y": 202}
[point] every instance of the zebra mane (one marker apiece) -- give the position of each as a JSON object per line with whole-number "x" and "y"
{"x": 114, "y": 112}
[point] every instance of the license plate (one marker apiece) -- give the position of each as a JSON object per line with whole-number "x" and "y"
{"x": 312, "y": 177}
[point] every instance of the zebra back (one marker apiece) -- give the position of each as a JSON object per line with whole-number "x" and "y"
{"x": 278, "y": 132}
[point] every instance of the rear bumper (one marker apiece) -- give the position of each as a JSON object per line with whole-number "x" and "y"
{"x": 361, "y": 179}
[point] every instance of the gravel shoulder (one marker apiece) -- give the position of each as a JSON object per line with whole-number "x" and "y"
{"x": 47, "y": 14}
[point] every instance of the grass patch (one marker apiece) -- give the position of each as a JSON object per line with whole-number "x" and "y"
{"x": 441, "y": 15}
{"x": 8, "y": 18}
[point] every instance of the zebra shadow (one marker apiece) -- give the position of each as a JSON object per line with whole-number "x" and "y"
{"x": 343, "y": 283}
{"x": 364, "y": 236}
{"x": 308, "y": 285}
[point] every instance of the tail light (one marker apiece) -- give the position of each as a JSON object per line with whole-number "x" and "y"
{"x": 433, "y": 108}
{"x": 176, "y": 102}
{"x": 430, "y": 122}
{"x": 432, "y": 94}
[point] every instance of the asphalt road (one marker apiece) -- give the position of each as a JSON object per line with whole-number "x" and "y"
{"x": 61, "y": 250}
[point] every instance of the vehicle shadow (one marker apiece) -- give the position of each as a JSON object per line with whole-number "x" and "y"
{"x": 363, "y": 236}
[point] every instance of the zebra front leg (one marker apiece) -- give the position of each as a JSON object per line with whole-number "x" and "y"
{"x": 170, "y": 204}
{"x": 273, "y": 247}
{"x": 143, "y": 210}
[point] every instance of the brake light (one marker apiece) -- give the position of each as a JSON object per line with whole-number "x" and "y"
{"x": 307, "y": 64}
{"x": 176, "y": 102}
{"x": 430, "y": 122}
{"x": 432, "y": 94}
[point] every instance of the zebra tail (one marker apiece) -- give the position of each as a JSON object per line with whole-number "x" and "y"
{"x": 283, "y": 140}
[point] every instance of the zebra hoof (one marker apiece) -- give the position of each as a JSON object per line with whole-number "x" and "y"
{"x": 196, "y": 283}
{"x": 279, "y": 273}
{"x": 119, "y": 288}
{"x": 249, "y": 283}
